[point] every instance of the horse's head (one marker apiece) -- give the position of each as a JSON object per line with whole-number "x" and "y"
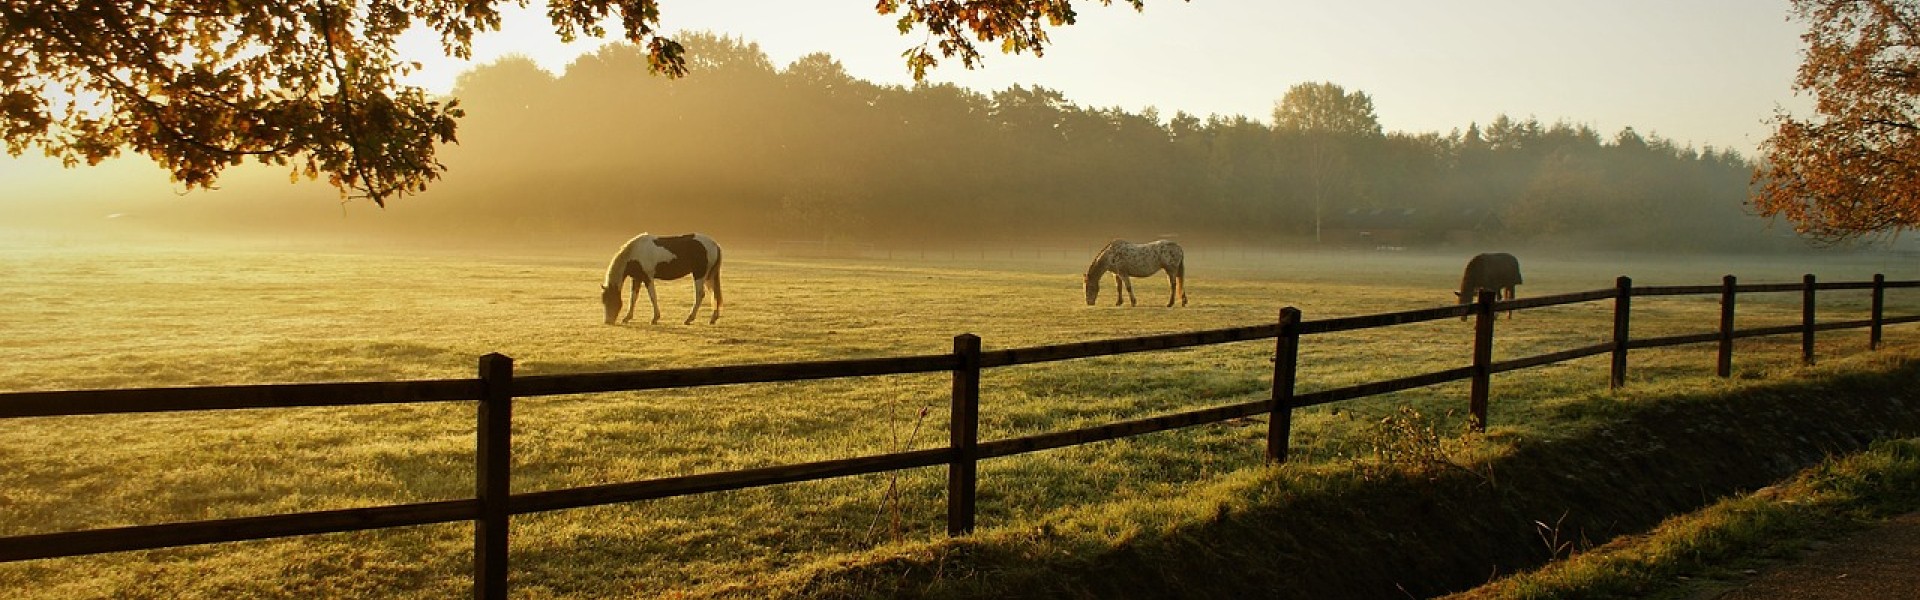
{"x": 610, "y": 297}
{"x": 1092, "y": 284}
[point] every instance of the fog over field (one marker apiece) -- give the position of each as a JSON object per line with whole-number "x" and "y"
{"x": 171, "y": 309}
{"x": 857, "y": 220}
{"x": 804, "y": 153}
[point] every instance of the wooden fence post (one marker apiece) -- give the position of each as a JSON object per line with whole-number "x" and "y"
{"x": 1879, "y": 308}
{"x": 1482, "y": 359}
{"x": 1622, "y": 308}
{"x": 493, "y": 476}
{"x": 964, "y": 435}
{"x": 1724, "y": 366}
{"x": 1806, "y": 320}
{"x": 1286, "y": 361}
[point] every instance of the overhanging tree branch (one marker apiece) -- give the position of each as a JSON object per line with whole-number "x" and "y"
{"x": 1849, "y": 171}
{"x": 200, "y": 85}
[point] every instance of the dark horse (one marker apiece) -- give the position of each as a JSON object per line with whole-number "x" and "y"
{"x": 1496, "y": 271}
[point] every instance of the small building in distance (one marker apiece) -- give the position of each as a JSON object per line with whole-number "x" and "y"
{"x": 1408, "y": 227}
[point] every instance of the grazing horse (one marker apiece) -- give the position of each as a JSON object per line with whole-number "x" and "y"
{"x": 1138, "y": 260}
{"x": 1496, "y": 271}
{"x": 647, "y": 257}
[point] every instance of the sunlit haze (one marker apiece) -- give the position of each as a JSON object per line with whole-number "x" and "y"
{"x": 595, "y": 141}
{"x": 1700, "y": 72}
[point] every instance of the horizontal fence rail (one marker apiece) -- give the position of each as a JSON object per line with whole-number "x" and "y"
{"x": 1552, "y": 357}
{"x": 1543, "y": 301}
{"x": 295, "y": 395}
{"x": 654, "y": 489}
{"x": 1122, "y": 429}
{"x": 147, "y": 537}
{"x": 1681, "y": 340}
{"x": 1381, "y": 387}
{"x": 1383, "y": 320}
{"x": 497, "y": 387}
{"x": 629, "y": 381}
{"x": 1040, "y": 354}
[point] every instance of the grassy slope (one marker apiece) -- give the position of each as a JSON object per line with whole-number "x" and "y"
{"x": 1394, "y": 530}
{"x": 87, "y": 316}
{"x": 1702, "y": 551}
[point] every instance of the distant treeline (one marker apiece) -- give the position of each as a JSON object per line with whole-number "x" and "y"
{"x": 745, "y": 149}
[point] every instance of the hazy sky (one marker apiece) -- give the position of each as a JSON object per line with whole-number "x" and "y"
{"x": 1699, "y": 72}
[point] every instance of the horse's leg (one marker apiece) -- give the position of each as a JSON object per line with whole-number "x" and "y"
{"x": 1119, "y": 288}
{"x": 1173, "y": 288}
{"x": 1509, "y": 296}
{"x": 1183, "y": 284}
{"x": 633, "y": 298}
{"x": 713, "y": 279}
{"x": 655, "y": 299}
{"x": 699, "y": 296}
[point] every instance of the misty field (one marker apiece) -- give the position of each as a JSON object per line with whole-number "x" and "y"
{"x": 78, "y": 314}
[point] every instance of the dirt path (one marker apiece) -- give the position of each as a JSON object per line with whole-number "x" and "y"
{"x": 1881, "y": 563}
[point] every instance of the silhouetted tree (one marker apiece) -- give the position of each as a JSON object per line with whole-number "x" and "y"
{"x": 1327, "y": 124}
{"x": 810, "y": 152}
{"x": 201, "y": 86}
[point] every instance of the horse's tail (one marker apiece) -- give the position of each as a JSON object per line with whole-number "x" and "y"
{"x": 1174, "y": 258}
{"x": 713, "y": 281}
{"x": 1180, "y": 274}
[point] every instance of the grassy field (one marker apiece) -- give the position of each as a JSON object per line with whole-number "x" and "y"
{"x": 84, "y": 315}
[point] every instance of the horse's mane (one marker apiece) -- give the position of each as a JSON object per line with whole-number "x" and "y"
{"x": 617, "y": 268}
{"x": 1100, "y": 259}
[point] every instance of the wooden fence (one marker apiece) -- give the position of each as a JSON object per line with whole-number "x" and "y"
{"x": 496, "y": 387}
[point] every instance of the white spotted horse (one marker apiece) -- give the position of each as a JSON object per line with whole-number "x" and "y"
{"x": 648, "y": 257}
{"x": 1126, "y": 260}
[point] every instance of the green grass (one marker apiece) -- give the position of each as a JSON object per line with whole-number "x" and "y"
{"x": 86, "y": 316}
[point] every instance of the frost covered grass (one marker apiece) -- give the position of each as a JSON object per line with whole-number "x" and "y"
{"x": 88, "y": 316}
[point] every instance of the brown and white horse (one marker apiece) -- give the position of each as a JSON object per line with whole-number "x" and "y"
{"x": 647, "y": 257}
{"x": 1137, "y": 260}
